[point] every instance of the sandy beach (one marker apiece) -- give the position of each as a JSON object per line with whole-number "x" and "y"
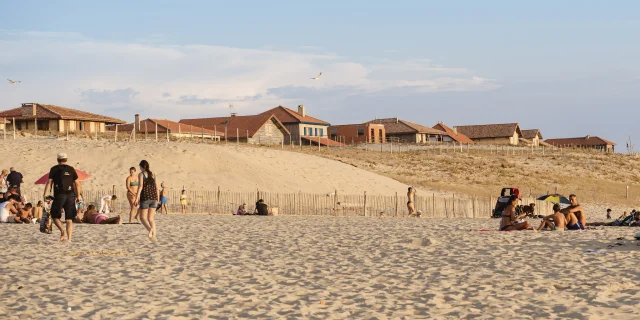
{"x": 318, "y": 267}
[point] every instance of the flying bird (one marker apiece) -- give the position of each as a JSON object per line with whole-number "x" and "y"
{"x": 318, "y": 77}
{"x": 13, "y": 82}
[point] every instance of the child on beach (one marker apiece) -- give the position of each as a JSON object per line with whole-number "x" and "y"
{"x": 163, "y": 199}
{"x": 183, "y": 201}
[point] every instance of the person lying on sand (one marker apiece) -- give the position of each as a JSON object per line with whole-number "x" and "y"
{"x": 555, "y": 221}
{"x": 510, "y": 221}
{"x": 577, "y": 210}
{"x": 92, "y": 216}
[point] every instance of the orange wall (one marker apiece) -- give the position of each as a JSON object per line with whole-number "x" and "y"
{"x": 349, "y": 133}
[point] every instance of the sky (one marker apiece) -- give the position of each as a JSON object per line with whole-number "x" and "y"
{"x": 568, "y": 68}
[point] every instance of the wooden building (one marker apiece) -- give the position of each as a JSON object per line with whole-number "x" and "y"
{"x": 358, "y": 133}
{"x": 531, "y": 137}
{"x": 398, "y": 130}
{"x": 47, "y": 117}
{"x": 503, "y": 134}
{"x": 257, "y": 129}
{"x": 299, "y": 124}
{"x": 589, "y": 142}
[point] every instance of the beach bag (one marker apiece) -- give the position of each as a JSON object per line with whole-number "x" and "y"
{"x": 45, "y": 223}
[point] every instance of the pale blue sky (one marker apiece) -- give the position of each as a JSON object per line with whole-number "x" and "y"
{"x": 569, "y": 68}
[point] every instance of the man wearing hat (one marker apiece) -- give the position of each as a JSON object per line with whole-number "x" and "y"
{"x": 14, "y": 178}
{"x": 66, "y": 186}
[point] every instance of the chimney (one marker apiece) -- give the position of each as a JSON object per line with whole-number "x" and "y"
{"x": 28, "y": 109}
{"x": 301, "y": 111}
{"x": 455, "y": 130}
{"x": 233, "y": 114}
{"x": 137, "y": 123}
{"x": 397, "y": 120}
{"x": 588, "y": 136}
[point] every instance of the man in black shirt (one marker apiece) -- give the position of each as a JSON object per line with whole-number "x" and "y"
{"x": 66, "y": 186}
{"x": 14, "y": 178}
{"x": 261, "y": 208}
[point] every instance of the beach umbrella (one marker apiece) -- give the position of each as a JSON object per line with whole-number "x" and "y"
{"x": 555, "y": 198}
{"x": 81, "y": 177}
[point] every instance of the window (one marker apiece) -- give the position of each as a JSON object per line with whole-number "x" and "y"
{"x": 305, "y": 131}
{"x": 360, "y": 132}
{"x": 316, "y": 132}
{"x": 268, "y": 128}
{"x": 322, "y": 132}
{"x": 81, "y": 126}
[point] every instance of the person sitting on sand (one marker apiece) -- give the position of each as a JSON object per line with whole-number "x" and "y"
{"x": 25, "y": 213}
{"x": 242, "y": 210}
{"x": 576, "y": 209}
{"x": 510, "y": 221}
{"x": 262, "y": 209}
{"x": 573, "y": 223}
{"x": 555, "y": 221}
{"x": 410, "y": 201}
{"x": 9, "y": 211}
{"x": 92, "y": 216}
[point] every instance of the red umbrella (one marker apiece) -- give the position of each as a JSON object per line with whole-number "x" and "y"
{"x": 81, "y": 176}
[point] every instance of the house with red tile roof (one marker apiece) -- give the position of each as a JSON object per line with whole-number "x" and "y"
{"x": 164, "y": 127}
{"x": 299, "y": 123}
{"x": 452, "y": 134}
{"x": 261, "y": 128}
{"x": 48, "y": 117}
{"x": 588, "y": 142}
{"x": 398, "y": 130}
{"x": 503, "y": 133}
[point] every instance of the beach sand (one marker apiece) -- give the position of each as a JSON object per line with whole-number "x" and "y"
{"x": 195, "y": 166}
{"x": 318, "y": 267}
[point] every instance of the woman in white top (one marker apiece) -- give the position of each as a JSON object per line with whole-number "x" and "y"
{"x": 105, "y": 203}
{"x": 8, "y": 210}
{"x": 4, "y": 185}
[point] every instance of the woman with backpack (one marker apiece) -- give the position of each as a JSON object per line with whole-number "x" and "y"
{"x": 147, "y": 198}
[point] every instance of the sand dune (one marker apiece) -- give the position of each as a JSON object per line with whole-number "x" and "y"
{"x": 196, "y": 166}
{"x": 318, "y": 267}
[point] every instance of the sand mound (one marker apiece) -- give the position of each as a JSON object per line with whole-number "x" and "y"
{"x": 195, "y": 166}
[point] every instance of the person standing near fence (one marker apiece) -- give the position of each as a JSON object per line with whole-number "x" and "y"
{"x": 164, "y": 199}
{"x": 132, "y": 185}
{"x": 410, "y": 203}
{"x": 147, "y": 198}
{"x": 65, "y": 188}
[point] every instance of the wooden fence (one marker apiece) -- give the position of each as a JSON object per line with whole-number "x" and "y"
{"x": 224, "y": 202}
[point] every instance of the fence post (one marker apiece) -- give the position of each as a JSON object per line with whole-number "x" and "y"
{"x": 454, "y": 205}
{"x": 627, "y": 192}
{"x": 168, "y": 133}
{"x": 202, "y": 128}
{"x": 4, "y": 128}
{"x": 215, "y": 134}
{"x": 318, "y": 143}
{"x": 156, "y": 132}
{"x": 35, "y": 128}
{"x": 225, "y": 135}
{"x": 67, "y": 129}
{"x": 115, "y": 137}
{"x": 14, "y": 129}
{"x": 218, "y": 200}
{"x": 335, "y": 202}
{"x": 434, "y": 205}
{"x": 238, "y": 136}
{"x": 190, "y": 132}
{"x": 396, "y": 213}
{"x": 365, "y": 204}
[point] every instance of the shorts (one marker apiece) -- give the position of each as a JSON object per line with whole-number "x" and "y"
{"x": 147, "y": 204}
{"x": 164, "y": 200}
{"x": 99, "y": 218}
{"x": 576, "y": 226}
{"x": 66, "y": 201}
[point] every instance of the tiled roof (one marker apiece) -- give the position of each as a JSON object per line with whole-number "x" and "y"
{"x": 149, "y": 126}
{"x": 503, "y": 130}
{"x": 51, "y": 112}
{"x": 287, "y": 115}
{"x": 458, "y": 137}
{"x": 583, "y": 141}
{"x": 323, "y": 141}
{"x": 397, "y": 126}
{"x": 236, "y": 125}
{"x": 531, "y": 133}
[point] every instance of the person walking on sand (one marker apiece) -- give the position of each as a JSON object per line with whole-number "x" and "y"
{"x": 147, "y": 198}
{"x": 577, "y": 210}
{"x": 132, "y": 190}
{"x": 183, "y": 201}
{"x": 164, "y": 199}
{"x": 410, "y": 200}
{"x": 14, "y": 178}
{"x": 65, "y": 188}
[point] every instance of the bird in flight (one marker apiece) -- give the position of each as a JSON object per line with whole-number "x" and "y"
{"x": 318, "y": 77}
{"x": 13, "y": 82}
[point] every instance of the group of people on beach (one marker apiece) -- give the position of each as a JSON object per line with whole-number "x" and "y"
{"x": 570, "y": 218}
{"x": 67, "y": 200}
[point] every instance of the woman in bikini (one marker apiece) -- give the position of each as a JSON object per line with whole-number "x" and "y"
{"x": 410, "y": 195}
{"x": 132, "y": 190}
{"x": 147, "y": 197}
{"x": 509, "y": 221}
